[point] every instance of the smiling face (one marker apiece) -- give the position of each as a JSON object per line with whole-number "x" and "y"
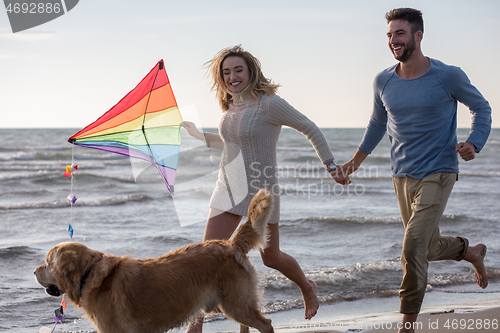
{"x": 235, "y": 73}
{"x": 402, "y": 41}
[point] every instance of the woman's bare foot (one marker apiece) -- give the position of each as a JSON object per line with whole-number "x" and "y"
{"x": 475, "y": 255}
{"x": 196, "y": 325}
{"x": 311, "y": 301}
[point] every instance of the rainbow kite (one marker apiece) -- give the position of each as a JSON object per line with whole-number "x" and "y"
{"x": 145, "y": 124}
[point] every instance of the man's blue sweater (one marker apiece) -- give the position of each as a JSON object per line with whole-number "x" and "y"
{"x": 420, "y": 117}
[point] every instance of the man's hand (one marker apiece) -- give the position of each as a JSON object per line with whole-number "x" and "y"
{"x": 466, "y": 150}
{"x": 341, "y": 173}
{"x": 339, "y": 176}
{"x": 349, "y": 167}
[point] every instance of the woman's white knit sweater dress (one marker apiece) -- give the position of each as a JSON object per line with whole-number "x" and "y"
{"x": 248, "y": 134}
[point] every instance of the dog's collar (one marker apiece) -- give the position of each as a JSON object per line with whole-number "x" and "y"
{"x": 86, "y": 275}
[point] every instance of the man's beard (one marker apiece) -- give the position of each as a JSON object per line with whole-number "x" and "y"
{"x": 409, "y": 48}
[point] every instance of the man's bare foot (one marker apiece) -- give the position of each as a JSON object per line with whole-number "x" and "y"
{"x": 408, "y": 323}
{"x": 475, "y": 255}
{"x": 311, "y": 301}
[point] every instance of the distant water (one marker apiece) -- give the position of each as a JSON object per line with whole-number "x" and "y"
{"x": 347, "y": 239}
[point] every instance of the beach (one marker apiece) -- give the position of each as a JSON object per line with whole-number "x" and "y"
{"x": 347, "y": 239}
{"x": 479, "y": 320}
{"x": 441, "y": 312}
{"x": 473, "y": 320}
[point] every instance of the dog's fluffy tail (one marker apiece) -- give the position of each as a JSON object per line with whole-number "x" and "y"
{"x": 253, "y": 233}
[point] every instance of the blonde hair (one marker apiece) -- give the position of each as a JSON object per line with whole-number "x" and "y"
{"x": 257, "y": 84}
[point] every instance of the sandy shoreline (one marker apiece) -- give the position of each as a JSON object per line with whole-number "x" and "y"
{"x": 456, "y": 309}
{"x": 478, "y": 321}
{"x": 460, "y": 310}
{"x": 486, "y": 320}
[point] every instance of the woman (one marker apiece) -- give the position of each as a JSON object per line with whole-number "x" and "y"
{"x": 248, "y": 133}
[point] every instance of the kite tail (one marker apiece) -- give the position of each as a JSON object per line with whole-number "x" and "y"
{"x": 253, "y": 233}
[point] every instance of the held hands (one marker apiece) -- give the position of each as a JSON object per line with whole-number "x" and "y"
{"x": 341, "y": 173}
{"x": 466, "y": 150}
{"x": 339, "y": 176}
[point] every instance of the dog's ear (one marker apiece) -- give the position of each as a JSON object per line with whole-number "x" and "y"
{"x": 66, "y": 261}
{"x": 70, "y": 276}
{"x": 100, "y": 272}
{"x": 69, "y": 267}
{"x": 88, "y": 258}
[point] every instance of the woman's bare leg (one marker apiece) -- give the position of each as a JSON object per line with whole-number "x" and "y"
{"x": 273, "y": 257}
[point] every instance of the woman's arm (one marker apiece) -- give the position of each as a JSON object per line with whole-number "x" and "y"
{"x": 212, "y": 140}
{"x": 280, "y": 112}
{"x": 192, "y": 130}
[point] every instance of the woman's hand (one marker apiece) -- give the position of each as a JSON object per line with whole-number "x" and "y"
{"x": 340, "y": 176}
{"x": 192, "y": 130}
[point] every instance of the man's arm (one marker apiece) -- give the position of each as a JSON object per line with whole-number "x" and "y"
{"x": 463, "y": 91}
{"x": 377, "y": 127}
{"x": 354, "y": 163}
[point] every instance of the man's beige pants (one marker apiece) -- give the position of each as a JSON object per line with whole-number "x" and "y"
{"x": 422, "y": 203}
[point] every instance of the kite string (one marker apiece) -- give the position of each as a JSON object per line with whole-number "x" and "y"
{"x": 144, "y": 130}
{"x": 71, "y": 190}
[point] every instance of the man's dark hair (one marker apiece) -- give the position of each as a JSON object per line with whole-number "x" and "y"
{"x": 413, "y": 16}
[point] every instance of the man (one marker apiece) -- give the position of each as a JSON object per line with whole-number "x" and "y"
{"x": 416, "y": 104}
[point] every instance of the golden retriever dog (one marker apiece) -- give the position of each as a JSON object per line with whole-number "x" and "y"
{"x": 122, "y": 294}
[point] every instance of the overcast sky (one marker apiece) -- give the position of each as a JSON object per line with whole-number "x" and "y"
{"x": 325, "y": 54}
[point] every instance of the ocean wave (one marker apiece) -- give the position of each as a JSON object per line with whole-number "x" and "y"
{"x": 27, "y": 175}
{"x": 345, "y": 221}
{"x": 338, "y": 278}
{"x": 378, "y": 273}
{"x": 26, "y": 192}
{"x": 373, "y": 294}
{"x": 454, "y": 218}
{"x": 56, "y": 175}
{"x": 278, "y": 306}
{"x": 460, "y": 278}
{"x": 55, "y": 155}
{"x": 20, "y": 252}
{"x": 360, "y": 281}
{"x": 93, "y": 177}
{"x": 201, "y": 192}
{"x": 98, "y": 155}
{"x": 84, "y": 203}
{"x": 35, "y": 155}
{"x": 273, "y": 307}
{"x": 33, "y": 167}
{"x": 59, "y": 165}
{"x": 480, "y": 173}
{"x": 362, "y": 220}
{"x": 17, "y": 156}
{"x": 448, "y": 280}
